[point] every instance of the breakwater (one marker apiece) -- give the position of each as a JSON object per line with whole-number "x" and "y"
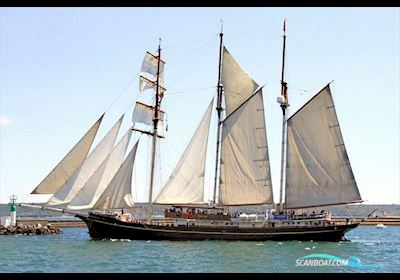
{"x": 23, "y": 229}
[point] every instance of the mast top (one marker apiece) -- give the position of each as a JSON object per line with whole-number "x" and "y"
{"x": 284, "y": 27}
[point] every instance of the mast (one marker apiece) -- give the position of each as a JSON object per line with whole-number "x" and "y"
{"x": 284, "y": 103}
{"x": 154, "y": 142}
{"x": 219, "y": 111}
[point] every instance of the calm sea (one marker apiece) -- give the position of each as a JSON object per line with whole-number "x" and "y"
{"x": 73, "y": 251}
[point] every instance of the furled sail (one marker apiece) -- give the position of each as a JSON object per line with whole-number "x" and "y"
{"x": 186, "y": 183}
{"x": 118, "y": 193}
{"x": 68, "y": 165}
{"x": 95, "y": 186}
{"x": 89, "y": 166}
{"x": 245, "y": 176}
{"x": 318, "y": 170}
{"x": 238, "y": 86}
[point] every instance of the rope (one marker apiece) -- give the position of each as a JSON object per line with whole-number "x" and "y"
{"x": 190, "y": 90}
{"x": 188, "y": 42}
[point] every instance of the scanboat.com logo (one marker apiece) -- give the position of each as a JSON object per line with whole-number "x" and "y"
{"x": 329, "y": 260}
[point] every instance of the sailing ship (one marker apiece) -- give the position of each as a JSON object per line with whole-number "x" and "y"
{"x": 315, "y": 169}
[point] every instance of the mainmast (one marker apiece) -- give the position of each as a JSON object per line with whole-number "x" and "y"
{"x": 219, "y": 111}
{"x": 158, "y": 99}
{"x": 284, "y": 103}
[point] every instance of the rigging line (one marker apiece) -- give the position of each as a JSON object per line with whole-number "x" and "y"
{"x": 191, "y": 53}
{"x": 203, "y": 38}
{"x": 122, "y": 91}
{"x": 191, "y": 62}
{"x": 190, "y": 90}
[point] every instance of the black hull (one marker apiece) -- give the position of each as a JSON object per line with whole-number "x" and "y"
{"x": 101, "y": 228}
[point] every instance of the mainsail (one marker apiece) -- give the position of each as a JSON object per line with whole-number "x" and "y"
{"x": 245, "y": 176}
{"x": 318, "y": 170}
{"x": 186, "y": 183}
{"x": 94, "y": 187}
{"x": 89, "y": 166}
{"x": 68, "y": 165}
{"x": 118, "y": 193}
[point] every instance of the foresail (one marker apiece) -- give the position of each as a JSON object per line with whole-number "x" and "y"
{"x": 69, "y": 164}
{"x": 245, "y": 176}
{"x": 186, "y": 183}
{"x": 118, "y": 193}
{"x": 318, "y": 170}
{"x": 238, "y": 86}
{"x": 95, "y": 186}
{"x": 88, "y": 167}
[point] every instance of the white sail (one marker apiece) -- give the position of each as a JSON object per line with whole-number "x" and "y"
{"x": 245, "y": 176}
{"x": 144, "y": 114}
{"x": 238, "y": 86}
{"x": 118, "y": 193}
{"x": 186, "y": 183}
{"x": 150, "y": 64}
{"x": 145, "y": 83}
{"x": 89, "y": 166}
{"x": 69, "y": 164}
{"x": 318, "y": 170}
{"x": 95, "y": 186}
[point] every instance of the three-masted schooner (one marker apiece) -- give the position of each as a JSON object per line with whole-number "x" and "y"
{"x": 315, "y": 169}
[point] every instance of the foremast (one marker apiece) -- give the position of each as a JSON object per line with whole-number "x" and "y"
{"x": 284, "y": 103}
{"x": 219, "y": 115}
{"x": 158, "y": 98}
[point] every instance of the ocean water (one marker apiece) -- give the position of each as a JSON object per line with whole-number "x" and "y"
{"x": 74, "y": 251}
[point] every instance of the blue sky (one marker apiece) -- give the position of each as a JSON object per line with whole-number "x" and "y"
{"x": 61, "y": 68}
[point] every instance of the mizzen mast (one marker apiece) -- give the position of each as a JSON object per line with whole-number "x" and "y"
{"x": 158, "y": 99}
{"x": 219, "y": 112}
{"x": 284, "y": 103}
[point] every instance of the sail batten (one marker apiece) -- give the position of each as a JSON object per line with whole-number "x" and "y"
{"x": 318, "y": 170}
{"x": 118, "y": 193}
{"x": 69, "y": 164}
{"x": 186, "y": 183}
